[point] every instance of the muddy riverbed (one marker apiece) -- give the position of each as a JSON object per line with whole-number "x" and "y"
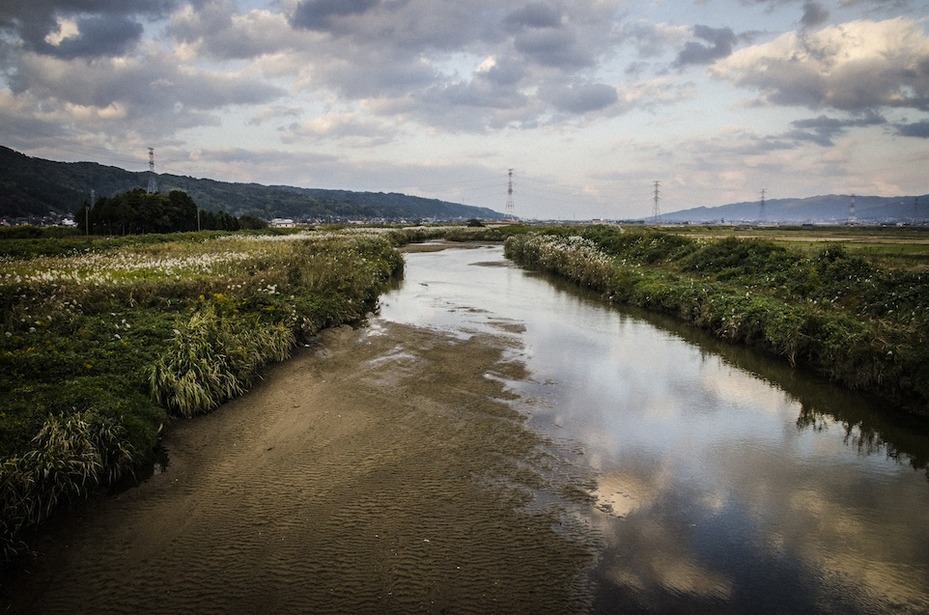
{"x": 381, "y": 470}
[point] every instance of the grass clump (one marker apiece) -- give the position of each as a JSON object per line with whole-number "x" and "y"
{"x": 70, "y": 456}
{"x": 213, "y": 358}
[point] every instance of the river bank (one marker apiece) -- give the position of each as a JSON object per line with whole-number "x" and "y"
{"x": 856, "y": 322}
{"x": 381, "y": 470}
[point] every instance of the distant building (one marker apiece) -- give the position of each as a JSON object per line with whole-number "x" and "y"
{"x": 283, "y": 223}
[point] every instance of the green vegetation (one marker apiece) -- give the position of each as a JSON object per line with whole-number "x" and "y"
{"x": 99, "y": 346}
{"x": 862, "y": 324}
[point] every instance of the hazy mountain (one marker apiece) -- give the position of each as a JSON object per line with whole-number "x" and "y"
{"x": 34, "y": 186}
{"x": 831, "y": 208}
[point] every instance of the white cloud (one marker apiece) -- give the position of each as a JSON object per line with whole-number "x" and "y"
{"x": 856, "y": 66}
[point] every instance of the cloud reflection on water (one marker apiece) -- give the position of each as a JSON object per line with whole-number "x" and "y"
{"x": 718, "y": 488}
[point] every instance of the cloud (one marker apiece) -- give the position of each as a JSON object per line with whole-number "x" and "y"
{"x": 553, "y": 47}
{"x": 814, "y": 14}
{"x": 412, "y": 56}
{"x": 35, "y": 21}
{"x": 856, "y": 66}
{"x": 719, "y": 44}
{"x": 440, "y": 63}
{"x": 145, "y": 94}
{"x": 217, "y": 30}
{"x": 652, "y": 40}
{"x": 352, "y": 128}
{"x": 326, "y": 14}
{"x": 915, "y": 129}
{"x": 97, "y": 36}
{"x": 502, "y": 71}
{"x": 534, "y": 15}
{"x": 580, "y": 98}
{"x": 823, "y": 130}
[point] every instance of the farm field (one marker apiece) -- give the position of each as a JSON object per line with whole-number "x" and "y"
{"x": 895, "y": 247}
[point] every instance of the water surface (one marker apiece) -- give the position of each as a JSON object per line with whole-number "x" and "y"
{"x": 727, "y": 482}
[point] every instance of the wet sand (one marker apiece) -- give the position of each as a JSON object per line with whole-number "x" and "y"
{"x": 382, "y": 470}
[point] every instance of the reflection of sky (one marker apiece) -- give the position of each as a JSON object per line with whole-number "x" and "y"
{"x": 716, "y": 500}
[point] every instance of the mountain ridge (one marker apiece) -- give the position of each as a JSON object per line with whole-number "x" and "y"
{"x": 31, "y": 186}
{"x": 823, "y": 209}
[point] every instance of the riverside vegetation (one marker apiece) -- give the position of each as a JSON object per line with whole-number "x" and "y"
{"x": 862, "y": 324}
{"x": 103, "y": 340}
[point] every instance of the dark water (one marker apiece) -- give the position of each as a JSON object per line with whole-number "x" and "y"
{"x": 727, "y": 482}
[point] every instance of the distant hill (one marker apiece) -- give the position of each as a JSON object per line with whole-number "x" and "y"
{"x": 831, "y": 208}
{"x": 35, "y": 187}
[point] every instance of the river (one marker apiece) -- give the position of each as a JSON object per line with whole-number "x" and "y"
{"x": 495, "y": 440}
{"x": 726, "y": 481}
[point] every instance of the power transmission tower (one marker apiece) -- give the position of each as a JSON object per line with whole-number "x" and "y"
{"x": 152, "y": 184}
{"x": 761, "y": 213}
{"x": 656, "y": 213}
{"x": 509, "y": 195}
{"x": 852, "y": 217}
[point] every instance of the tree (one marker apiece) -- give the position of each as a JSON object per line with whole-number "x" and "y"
{"x": 251, "y": 222}
{"x": 138, "y": 211}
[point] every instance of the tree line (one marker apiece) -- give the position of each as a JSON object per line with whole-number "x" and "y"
{"x": 139, "y": 212}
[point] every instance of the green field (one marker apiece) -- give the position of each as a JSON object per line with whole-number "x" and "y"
{"x": 892, "y": 246}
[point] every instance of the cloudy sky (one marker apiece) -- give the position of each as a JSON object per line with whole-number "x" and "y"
{"x": 588, "y": 101}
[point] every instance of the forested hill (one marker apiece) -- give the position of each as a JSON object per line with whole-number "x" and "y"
{"x": 830, "y": 208}
{"x": 34, "y": 187}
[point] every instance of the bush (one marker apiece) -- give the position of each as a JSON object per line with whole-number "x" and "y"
{"x": 213, "y": 358}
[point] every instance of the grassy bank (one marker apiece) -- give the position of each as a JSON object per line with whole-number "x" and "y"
{"x": 860, "y": 323}
{"x": 102, "y": 341}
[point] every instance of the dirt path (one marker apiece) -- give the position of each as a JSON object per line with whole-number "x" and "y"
{"x": 381, "y": 471}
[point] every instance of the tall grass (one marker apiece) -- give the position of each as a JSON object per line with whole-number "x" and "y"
{"x": 213, "y": 358}
{"x": 70, "y": 456}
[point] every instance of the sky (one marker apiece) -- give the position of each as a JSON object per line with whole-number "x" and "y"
{"x": 589, "y": 102}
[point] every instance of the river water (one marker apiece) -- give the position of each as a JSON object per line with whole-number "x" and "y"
{"x": 726, "y": 482}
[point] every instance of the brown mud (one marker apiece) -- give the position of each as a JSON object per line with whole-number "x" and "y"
{"x": 383, "y": 470}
